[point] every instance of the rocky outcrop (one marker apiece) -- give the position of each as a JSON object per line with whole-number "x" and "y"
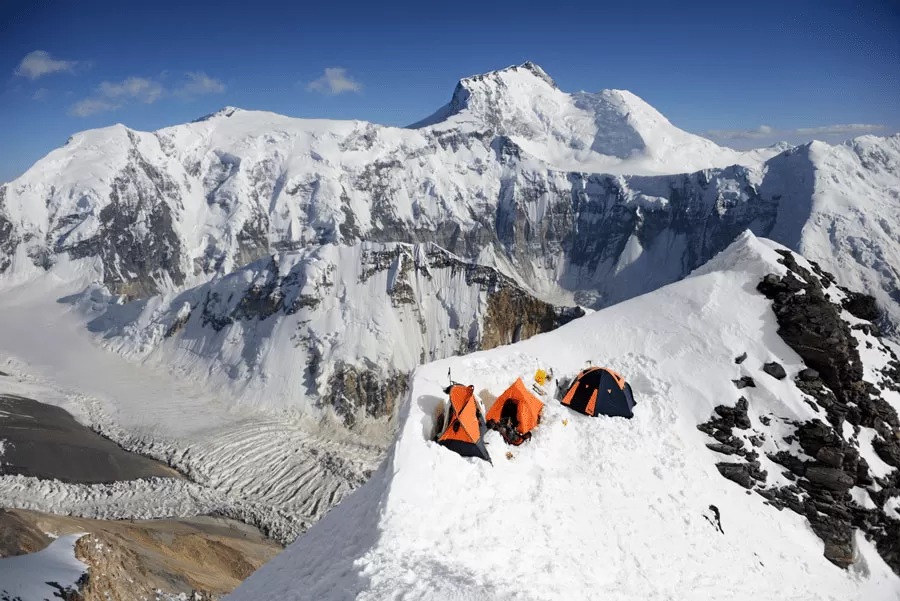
{"x": 513, "y": 315}
{"x": 775, "y": 369}
{"x": 860, "y": 305}
{"x": 744, "y": 382}
{"x": 372, "y": 392}
{"x": 746, "y": 471}
{"x": 19, "y": 536}
{"x": 812, "y": 325}
{"x": 829, "y": 465}
{"x": 200, "y": 559}
{"x": 136, "y": 238}
{"x": 8, "y": 238}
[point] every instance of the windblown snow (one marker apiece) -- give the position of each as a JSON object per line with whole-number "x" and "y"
{"x": 590, "y": 507}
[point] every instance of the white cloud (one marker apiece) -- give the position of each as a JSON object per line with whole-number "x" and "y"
{"x": 133, "y": 88}
{"x": 334, "y": 81}
{"x": 110, "y": 96}
{"x": 39, "y": 63}
{"x": 40, "y": 94}
{"x": 765, "y": 131}
{"x": 199, "y": 83}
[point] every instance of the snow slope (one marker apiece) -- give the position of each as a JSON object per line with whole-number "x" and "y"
{"x": 31, "y": 577}
{"x": 612, "y": 131}
{"x": 591, "y": 507}
{"x": 853, "y": 223}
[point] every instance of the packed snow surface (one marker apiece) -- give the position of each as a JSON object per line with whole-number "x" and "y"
{"x": 590, "y": 507}
{"x": 31, "y": 577}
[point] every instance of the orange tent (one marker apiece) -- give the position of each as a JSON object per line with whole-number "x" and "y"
{"x": 515, "y": 413}
{"x": 465, "y": 428}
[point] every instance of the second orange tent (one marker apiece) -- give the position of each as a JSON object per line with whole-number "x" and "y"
{"x": 515, "y": 413}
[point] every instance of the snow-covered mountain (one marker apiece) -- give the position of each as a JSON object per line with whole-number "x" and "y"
{"x": 339, "y": 327}
{"x": 511, "y": 174}
{"x": 308, "y": 264}
{"x": 612, "y": 131}
{"x": 639, "y": 509}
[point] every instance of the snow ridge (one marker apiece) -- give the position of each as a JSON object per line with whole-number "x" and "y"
{"x": 582, "y": 486}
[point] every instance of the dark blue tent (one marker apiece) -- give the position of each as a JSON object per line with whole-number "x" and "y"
{"x": 600, "y": 391}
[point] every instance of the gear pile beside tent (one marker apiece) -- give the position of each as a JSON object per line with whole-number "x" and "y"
{"x": 461, "y": 424}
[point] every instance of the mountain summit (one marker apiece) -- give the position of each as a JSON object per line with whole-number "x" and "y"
{"x": 610, "y": 130}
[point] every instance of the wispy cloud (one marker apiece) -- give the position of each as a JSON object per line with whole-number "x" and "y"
{"x": 110, "y": 96}
{"x": 334, "y": 81}
{"x": 39, "y": 63}
{"x": 140, "y": 89}
{"x": 765, "y": 131}
{"x": 848, "y": 128}
{"x": 41, "y": 94}
{"x": 199, "y": 83}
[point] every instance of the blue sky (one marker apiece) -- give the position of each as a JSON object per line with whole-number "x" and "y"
{"x": 745, "y": 74}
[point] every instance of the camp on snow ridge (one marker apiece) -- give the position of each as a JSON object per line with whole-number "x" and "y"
{"x": 461, "y": 423}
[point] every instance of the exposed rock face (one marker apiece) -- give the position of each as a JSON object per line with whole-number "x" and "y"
{"x": 136, "y": 239}
{"x": 375, "y": 390}
{"x": 18, "y": 536}
{"x": 201, "y": 559}
{"x": 830, "y": 478}
{"x": 8, "y": 238}
{"x": 811, "y": 323}
{"x": 513, "y": 315}
{"x": 862, "y": 306}
{"x": 829, "y": 465}
{"x": 738, "y": 472}
{"x": 747, "y": 471}
{"x": 359, "y": 319}
{"x": 808, "y": 375}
